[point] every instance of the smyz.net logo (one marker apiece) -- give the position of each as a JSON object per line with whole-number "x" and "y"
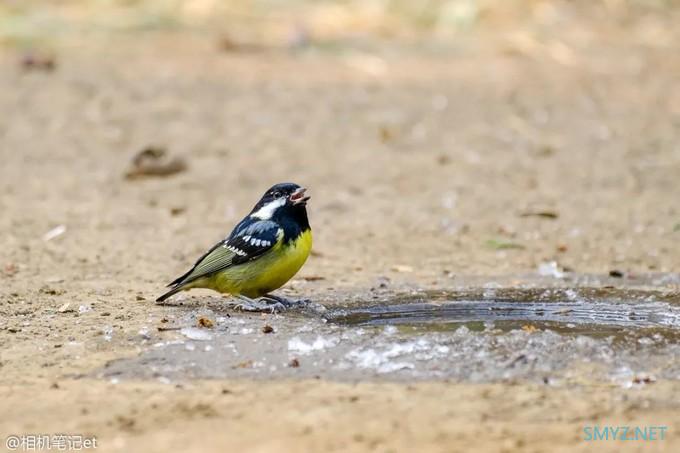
{"x": 624, "y": 433}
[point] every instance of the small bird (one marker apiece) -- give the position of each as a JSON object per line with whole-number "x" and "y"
{"x": 265, "y": 250}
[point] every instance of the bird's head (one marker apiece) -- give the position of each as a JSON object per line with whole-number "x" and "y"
{"x": 284, "y": 197}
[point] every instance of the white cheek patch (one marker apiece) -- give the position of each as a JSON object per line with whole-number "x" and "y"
{"x": 267, "y": 211}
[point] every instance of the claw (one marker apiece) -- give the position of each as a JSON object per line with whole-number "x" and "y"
{"x": 288, "y": 303}
{"x": 270, "y": 303}
{"x": 277, "y": 308}
{"x": 253, "y": 305}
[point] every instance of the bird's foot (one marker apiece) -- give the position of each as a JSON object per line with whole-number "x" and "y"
{"x": 259, "y": 306}
{"x": 288, "y": 303}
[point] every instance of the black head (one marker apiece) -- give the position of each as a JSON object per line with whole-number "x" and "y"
{"x": 280, "y": 199}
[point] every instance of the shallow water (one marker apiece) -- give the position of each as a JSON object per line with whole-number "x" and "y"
{"x": 542, "y": 335}
{"x": 593, "y": 317}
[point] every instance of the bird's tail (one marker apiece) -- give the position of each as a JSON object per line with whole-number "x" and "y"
{"x": 173, "y": 291}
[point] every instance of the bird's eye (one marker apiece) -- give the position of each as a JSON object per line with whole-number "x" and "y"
{"x": 277, "y": 194}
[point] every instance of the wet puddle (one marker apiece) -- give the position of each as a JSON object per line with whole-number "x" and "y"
{"x": 541, "y": 335}
{"x": 564, "y": 311}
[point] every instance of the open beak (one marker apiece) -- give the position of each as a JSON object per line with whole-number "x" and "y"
{"x": 299, "y": 197}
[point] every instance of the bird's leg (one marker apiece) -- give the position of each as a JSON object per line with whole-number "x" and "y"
{"x": 249, "y": 304}
{"x": 288, "y": 303}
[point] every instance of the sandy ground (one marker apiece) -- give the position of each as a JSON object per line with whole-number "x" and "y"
{"x": 423, "y": 164}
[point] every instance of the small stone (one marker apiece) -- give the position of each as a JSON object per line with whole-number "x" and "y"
{"x": 402, "y": 268}
{"x": 65, "y": 308}
{"x": 194, "y": 333}
{"x": 11, "y": 269}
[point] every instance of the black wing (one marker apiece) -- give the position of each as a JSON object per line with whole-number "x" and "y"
{"x": 250, "y": 239}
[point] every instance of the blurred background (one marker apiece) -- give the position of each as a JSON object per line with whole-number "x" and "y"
{"x": 279, "y": 23}
{"x": 506, "y": 134}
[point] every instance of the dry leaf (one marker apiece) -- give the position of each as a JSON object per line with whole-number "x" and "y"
{"x": 528, "y": 328}
{"x": 205, "y": 322}
{"x": 245, "y": 364}
{"x": 154, "y": 161}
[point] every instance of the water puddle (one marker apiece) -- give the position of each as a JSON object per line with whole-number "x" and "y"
{"x": 484, "y": 335}
{"x": 566, "y": 317}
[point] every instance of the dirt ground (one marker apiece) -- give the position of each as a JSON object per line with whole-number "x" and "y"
{"x": 429, "y": 166}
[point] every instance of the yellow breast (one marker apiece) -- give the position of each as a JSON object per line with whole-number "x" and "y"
{"x": 268, "y": 272}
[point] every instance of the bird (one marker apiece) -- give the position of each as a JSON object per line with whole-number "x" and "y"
{"x": 264, "y": 250}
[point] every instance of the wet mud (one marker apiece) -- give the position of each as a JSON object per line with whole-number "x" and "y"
{"x": 485, "y": 335}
